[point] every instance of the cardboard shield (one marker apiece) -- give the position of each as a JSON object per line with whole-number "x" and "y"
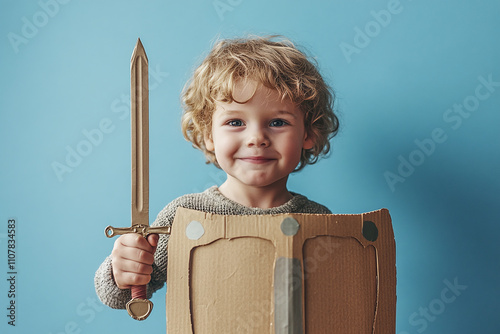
{"x": 288, "y": 273}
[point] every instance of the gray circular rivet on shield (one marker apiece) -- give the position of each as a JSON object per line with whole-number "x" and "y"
{"x": 290, "y": 226}
{"x": 194, "y": 230}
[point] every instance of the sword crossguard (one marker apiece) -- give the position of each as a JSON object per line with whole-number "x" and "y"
{"x": 141, "y": 229}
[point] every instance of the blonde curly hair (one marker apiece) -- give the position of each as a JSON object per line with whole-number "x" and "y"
{"x": 272, "y": 61}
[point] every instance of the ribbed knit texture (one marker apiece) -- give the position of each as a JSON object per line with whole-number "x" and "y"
{"x": 212, "y": 201}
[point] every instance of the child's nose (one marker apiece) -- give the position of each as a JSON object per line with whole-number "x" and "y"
{"x": 257, "y": 138}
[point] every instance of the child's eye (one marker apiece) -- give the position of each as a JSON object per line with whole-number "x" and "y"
{"x": 278, "y": 122}
{"x": 235, "y": 122}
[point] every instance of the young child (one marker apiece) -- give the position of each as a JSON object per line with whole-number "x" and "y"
{"x": 259, "y": 110}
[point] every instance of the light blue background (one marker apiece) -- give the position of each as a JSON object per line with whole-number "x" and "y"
{"x": 72, "y": 73}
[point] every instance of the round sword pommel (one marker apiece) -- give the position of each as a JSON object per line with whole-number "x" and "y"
{"x": 139, "y": 308}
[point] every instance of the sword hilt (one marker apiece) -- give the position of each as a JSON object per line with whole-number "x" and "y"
{"x": 139, "y": 307}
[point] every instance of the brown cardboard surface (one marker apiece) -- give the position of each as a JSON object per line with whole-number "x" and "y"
{"x": 289, "y": 273}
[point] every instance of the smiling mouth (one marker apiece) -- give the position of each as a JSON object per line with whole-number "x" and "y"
{"x": 257, "y": 160}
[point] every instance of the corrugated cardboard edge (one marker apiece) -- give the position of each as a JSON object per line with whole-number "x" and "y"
{"x": 386, "y": 297}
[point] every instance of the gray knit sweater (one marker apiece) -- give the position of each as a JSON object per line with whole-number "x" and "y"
{"x": 212, "y": 201}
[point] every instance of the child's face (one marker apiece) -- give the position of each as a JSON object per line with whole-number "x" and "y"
{"x": 257, "y": 143}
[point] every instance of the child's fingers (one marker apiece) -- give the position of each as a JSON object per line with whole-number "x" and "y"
{"x": 134, "y": 267}
{"x": 132, "y": 258}
{"x": 133, "y": 254}
{"x": 125, "y": 280}
{"x": 134, "y": 240}
{"x": 128, "y": 272}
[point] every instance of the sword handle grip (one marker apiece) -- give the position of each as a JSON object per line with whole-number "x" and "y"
{"x": 139, "y": 307}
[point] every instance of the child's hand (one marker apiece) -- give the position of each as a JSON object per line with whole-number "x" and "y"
{"x": 132, "y": 258}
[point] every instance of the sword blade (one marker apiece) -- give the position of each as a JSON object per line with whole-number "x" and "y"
{"x": 140, "y": 135}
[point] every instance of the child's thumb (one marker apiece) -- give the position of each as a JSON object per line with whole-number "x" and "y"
{"x": 153, "y": 240}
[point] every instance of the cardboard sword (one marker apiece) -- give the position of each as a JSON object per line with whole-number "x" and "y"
{"x": 139, "y": 307}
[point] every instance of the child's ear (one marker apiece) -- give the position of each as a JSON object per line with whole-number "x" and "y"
{"x": 308, "y": 142}
{"x": 209, "y": 142}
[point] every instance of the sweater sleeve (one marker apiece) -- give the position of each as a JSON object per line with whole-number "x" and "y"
{"x": 106, "y": 288}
